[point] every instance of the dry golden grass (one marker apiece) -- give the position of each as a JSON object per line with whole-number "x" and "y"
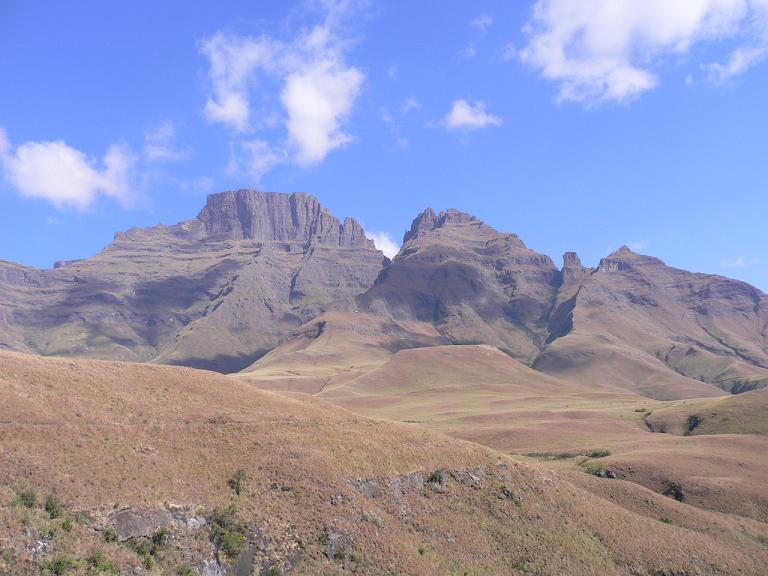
{"x": 745, "y": 413}
{"x": 480, "y": 394}
{"x": 102, "y": 435}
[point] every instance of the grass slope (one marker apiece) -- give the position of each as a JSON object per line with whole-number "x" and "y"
{"x": 323, "y": 491}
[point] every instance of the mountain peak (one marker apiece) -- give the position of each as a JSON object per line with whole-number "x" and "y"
{"x": 428, "y": 221}
{"x": 571, "y": 260}
{"x": 275, "y": 216}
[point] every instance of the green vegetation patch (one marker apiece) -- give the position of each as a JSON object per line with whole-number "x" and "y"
{"x": 228, "y": 533}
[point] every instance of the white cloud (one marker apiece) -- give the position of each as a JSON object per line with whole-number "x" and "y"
{"x": 385, "y": 243}
{"x": 605, "y": 50}
{"x": 5, "y": 145}
{"x": 468, "y": 52}
{"x": 65, "y": 177}
{"x": 410, "y": 104}
{"x": 160, "y": 144}
{"x": 234, "y": 60}
{"x": 741, "y": 60}
{"x": 470, "y": 116}
{"x": 482, "y": 22}
{"x": 318, "y": 99}
{"x": 510, "y": 52}
{"x": 307, "y": 75}
{"x": 254, "y": 158}
{"x": 740, "y": 262}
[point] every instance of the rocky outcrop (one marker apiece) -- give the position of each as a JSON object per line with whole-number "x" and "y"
{"x": 270, "y": 217}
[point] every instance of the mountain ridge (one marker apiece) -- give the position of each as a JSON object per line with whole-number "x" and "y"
{"x": 222, "y": 290}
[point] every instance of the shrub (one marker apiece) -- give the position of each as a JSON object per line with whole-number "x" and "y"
{"x": 28, "y": 498}
{"x": 605, "y": 473}
{"x": 238, "y": 480}
{"x": 598, "y": 453}
{"x": 110, "y": 535}
{"x": 160, "y": 538}
{"x": 98, "y": 564}
{"x": 53, "y": 507}
{"x": 66, "y": 525}
{"x": 437, "y": 477}
{"x": 7, "y": 557}
{"x": 227, "y": 532}
{"x": 60, "y": 565}
{"x": 675, "y": 491}
{"x": 692, "y": 423}
{"x": 185, "y": 570}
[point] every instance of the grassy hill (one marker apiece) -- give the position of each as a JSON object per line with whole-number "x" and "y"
{"x": 114, "y": 467}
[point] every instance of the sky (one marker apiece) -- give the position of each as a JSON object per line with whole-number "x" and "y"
{"x": 580, "y": 125}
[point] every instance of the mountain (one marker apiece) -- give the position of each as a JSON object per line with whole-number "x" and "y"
{"x": 631, "y": 323}
{"x": 131, "y": 468}
{"x": 274, "y": 280}
{"x": 215, "y": 292}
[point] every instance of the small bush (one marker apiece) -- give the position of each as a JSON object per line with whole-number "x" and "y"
{"x": 437, "y": 477}
{"x": 110, "y": 535}
{"x": 598, "y": 453}
{"x": 53, "y": 507}
{"x": 605, "y": 473}
{"x": 185, "y": 570}
{"x": 692, "y": 423}
{"x": 7, "y": 557}
{"x": 160, "y": 538}
{"x": 99, "y": 564}
{"x": 675, "y": 491}
{"x": 60, "y": 565}
{"x": 227, "y": 533}
{"x": 665, "y": 520}
{"x": 142, "y": 546}
{"x": 28, "y": 499}
{"x": 238, "y": 481}
{"x": 66, "y": 525}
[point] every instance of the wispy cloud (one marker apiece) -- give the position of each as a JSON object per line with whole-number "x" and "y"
{"x": 307, "y": 74}
{"x": 741, "y": 60}
{"x": 385, "y": 243}
{"x": 740, "y": 262}
{"x": 66, "y": 177}
{"x": 468, "y": 52}
{"x": 482, "y": 22}
{"x": 470, "y": 116}
{"x": 5, "y": 144}
{"x": 160, "y": 144}
{"x": 509, "y": 53}
{"x": 608, "y": 50}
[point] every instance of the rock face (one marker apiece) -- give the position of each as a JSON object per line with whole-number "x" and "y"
{"x": 269, "y": 217}
{"x": 215, "y": 292}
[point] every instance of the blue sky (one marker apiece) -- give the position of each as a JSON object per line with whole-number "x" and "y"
{"x": 578, "y": 124}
